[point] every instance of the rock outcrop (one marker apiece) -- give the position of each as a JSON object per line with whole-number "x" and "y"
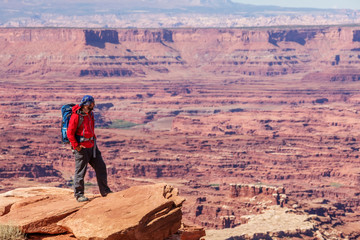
{"x": 273, "y": 223}
{"x": 145, "y": 212}
{"x": 142, "y": 212}
{"x": 276, "y": 195}
{"x": 37, "y": 210}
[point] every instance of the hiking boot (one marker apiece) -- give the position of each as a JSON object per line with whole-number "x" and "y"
{"x": 82, "y": 198}
{"x": 105, "y": 194}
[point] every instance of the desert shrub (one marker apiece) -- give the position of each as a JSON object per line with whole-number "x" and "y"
{"x": 236, "y": 110}
{"x": 322, "y": 100}
{"x": 11, "y": 233}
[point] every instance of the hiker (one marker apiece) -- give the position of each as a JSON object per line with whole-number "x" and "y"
{"x": 83, "y": 142}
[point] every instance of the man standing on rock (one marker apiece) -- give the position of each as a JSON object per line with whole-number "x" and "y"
{"x": 81, "y": 134}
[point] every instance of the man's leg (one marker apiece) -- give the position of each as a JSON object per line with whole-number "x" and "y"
{"x": 81, "y": 161}
{"x": 101, "y": 174}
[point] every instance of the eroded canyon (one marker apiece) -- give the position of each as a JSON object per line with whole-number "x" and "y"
{"x": 238, "y": 119}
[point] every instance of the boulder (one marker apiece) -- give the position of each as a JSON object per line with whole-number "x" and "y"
{"x": 37, "y": 210}
{"x": 143, "y": 212}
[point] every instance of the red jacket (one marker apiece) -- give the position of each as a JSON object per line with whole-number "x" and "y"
{"x": 86, "y": 129}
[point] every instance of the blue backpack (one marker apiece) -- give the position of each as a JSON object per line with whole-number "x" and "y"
{"x": 66, "y": 112}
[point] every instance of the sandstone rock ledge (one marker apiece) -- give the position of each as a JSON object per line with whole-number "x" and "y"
{"x": 141, "y": 212}
{"x": 274, "y": 222}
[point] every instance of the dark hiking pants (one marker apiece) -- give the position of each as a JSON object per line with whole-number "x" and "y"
{"x": 82, "y": 159}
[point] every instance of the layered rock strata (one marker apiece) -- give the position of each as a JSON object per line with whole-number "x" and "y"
{"x": 246, "y": 190}
{"x": 325, "y": 52}
{"x": 274, "y": 223}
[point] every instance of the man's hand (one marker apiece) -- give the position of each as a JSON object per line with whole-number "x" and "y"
{"x": 79, "y": 147}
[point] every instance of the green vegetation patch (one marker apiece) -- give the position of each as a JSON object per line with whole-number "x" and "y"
{"x": 336, "y": 185}
{"x": 89, "y": 184}
{"x": 121, "y": 124}
{"x": 70, "y": 183}
{"x": 215, "y": 186}
{"x": 11, "y": 233}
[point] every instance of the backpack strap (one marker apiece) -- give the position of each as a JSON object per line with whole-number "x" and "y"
{"x": 81, "y": 120}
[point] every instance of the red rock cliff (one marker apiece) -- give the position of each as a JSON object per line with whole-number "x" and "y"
{"x": 124, "y": 52}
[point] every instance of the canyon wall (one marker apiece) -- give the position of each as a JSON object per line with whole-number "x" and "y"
{"x": 326, "y": 52}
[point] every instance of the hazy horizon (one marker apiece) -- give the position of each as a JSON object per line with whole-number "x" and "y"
{"x": 322, "y": 4}
{"x": 168, "y": 13}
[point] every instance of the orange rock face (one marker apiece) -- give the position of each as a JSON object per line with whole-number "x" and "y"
{"x": 142, "y": 212}
{"x": 145, "y": 212}
{"x": 213, "y": 109}
{"x": 39, "y": 213}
